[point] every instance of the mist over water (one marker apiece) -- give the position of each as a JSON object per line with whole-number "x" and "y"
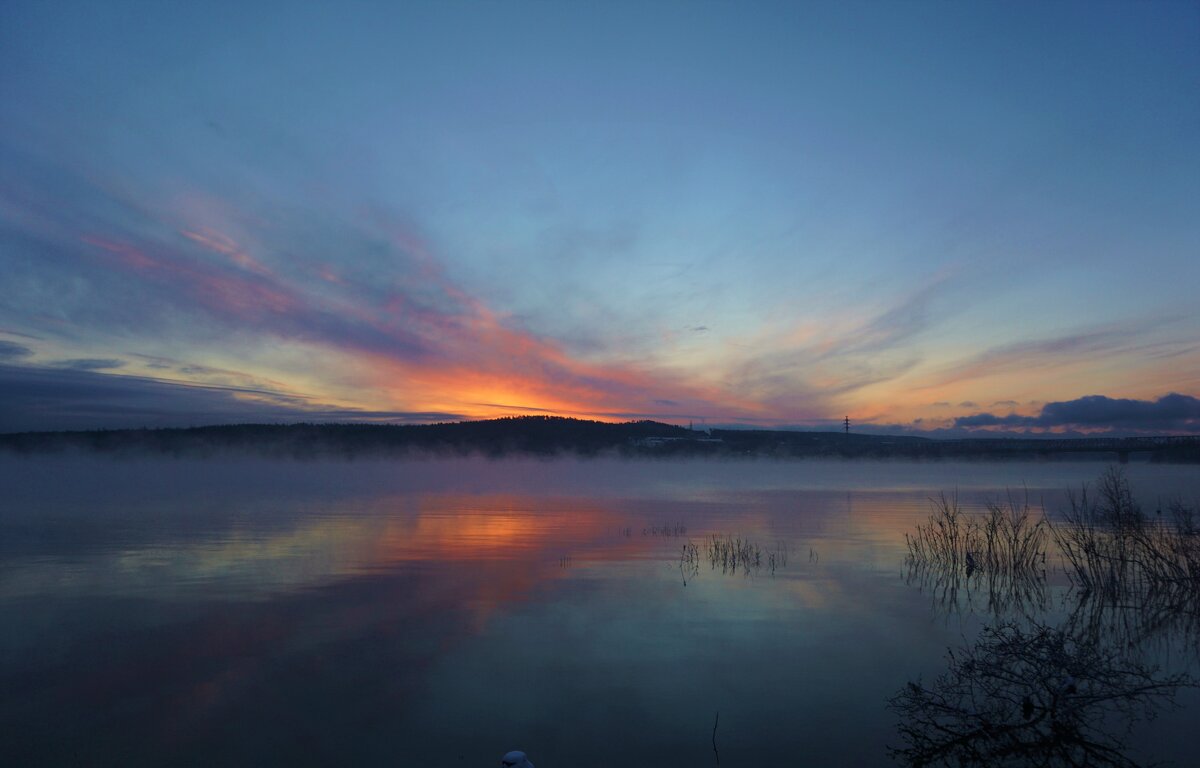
{"x": 199, "y": 612}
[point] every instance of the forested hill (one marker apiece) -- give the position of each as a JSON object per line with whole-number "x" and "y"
{"x": 524, "y": 434}
{"x": 550, "y": 435}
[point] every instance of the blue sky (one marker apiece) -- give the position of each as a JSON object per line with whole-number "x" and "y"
{"x": 734, "y": 213}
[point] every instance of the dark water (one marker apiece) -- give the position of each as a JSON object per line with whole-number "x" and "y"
{"x": 445, "y": 612}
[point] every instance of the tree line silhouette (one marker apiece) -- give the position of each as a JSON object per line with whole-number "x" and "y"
{"x": 550, "y": 435}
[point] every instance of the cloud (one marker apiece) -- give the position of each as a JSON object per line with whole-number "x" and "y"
{"x": 860, "y": 376}
{"x": 1006, "y": 403}
{"x": 40, "y": 398}
{"x": 393, "y": 313}
{"x": 968, "y": 404}
{"x": 899, "y": 324}
{"x": 225, "y": 294}
{"x": 408, "y": 333}
{"x": 90, "y": 363}
{"x": 991, "y": 420}
{"x": 10, "y": 350}
{"x": 357, "y": 305}
{"x": 808, "y": 370}
{"x": 1041, "y": 353}
{"x": 1169, "y": 411}
{"x": 364, "y": 286}
{"x": 1172, "y": 412}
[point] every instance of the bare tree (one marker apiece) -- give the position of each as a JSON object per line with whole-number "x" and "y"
{"x": 1030, "y": 696}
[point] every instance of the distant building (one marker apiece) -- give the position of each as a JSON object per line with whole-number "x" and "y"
{"x": 660, "y": 442}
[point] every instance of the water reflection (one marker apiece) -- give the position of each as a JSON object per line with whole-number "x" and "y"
{"x": 1165, "y": 622}
{"x": 194, "y": 614}
{"x": 1021, "y": 593}
{"x": 1031, "y": 695}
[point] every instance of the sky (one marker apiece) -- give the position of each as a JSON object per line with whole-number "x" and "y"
{"x": 952, "y": 218}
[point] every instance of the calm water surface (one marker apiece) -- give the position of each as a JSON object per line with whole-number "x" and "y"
{"x": 188, "y": 612}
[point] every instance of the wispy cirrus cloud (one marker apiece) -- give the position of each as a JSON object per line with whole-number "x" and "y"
{"x": 1049, "y": 352}
{"x": 809, "y": 371}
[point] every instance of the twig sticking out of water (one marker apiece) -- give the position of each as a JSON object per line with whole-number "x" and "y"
{"x": 689, "y": 562}
{"x": 716, "y": 720}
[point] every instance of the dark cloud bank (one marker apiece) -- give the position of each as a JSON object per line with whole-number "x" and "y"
{"x": 77, "y": 396}
{"x": 10, "y": 350}
{"x": 1169, "y": 413}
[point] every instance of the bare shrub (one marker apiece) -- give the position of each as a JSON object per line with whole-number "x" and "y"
{"x": 1037, "y": 696}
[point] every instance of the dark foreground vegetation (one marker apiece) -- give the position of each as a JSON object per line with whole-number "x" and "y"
{"x": 1031, "y": 695}
{"x": 547, "y": 435}
{"x": 1103, "y": 541}
{"x": 1032, "y": 692}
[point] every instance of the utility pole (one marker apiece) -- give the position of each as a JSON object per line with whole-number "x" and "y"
{"x": 846, "y": 422}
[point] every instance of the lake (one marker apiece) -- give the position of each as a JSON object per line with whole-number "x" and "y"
{"x": 442, "y": 612}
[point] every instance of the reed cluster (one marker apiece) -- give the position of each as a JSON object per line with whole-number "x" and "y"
{"x": 1006, "y": 540}
{"x": 667, "y": 529}
{"x": 1111, "y": 546}
{"x": 733, "y": 554}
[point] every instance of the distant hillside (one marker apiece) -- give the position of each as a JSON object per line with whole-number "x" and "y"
{"x": 525, "y": 434}
{"x": 550, "y": 435}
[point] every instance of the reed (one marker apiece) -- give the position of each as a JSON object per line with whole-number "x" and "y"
{"x": 667, "y": 529}
{"x": 1111, "y": 546}
{"x": 1009, "y": 539}
{"x": 731, "y": 554}
{"x": 1013, "y": 537}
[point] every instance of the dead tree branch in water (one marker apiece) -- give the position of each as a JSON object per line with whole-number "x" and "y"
{"x": 1035, "y": 696}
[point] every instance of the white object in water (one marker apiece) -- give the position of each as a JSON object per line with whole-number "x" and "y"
{"x": 515, "y": 759}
